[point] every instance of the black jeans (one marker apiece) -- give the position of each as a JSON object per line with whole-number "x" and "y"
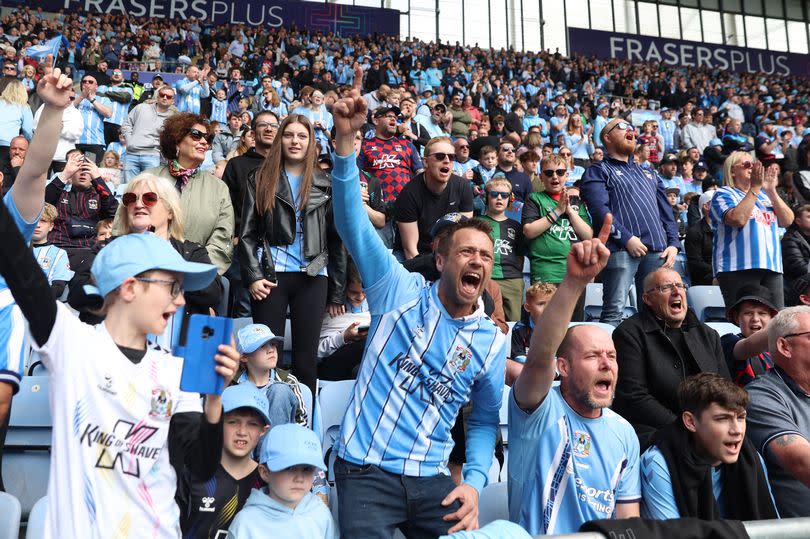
{"x": 306, "y": 298}
{"x": 732, "y": 281}
{"x": 342, "y": 364}
{"x": 372, "y": 503}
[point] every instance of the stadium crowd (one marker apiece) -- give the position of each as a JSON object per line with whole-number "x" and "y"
{"x": 424, "y": 218}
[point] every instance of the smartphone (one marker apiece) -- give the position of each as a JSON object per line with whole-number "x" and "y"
{"x": 362, "y": 329}
{"x": 90, "y": 156}
{"x": 203, "y": 337}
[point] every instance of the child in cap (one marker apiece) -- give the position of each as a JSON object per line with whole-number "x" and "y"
{"x": 258, "y": 347}
{"x": 289, "y": 457}
{"x": 121, "y": 423}
{"x": 207, "y": 507}
{"x": 53, "y": 260}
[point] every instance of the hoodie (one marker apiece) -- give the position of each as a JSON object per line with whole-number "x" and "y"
{"x": 262, "y": 516}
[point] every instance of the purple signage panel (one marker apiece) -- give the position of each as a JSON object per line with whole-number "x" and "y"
{"x": 676, "y": 52}
{"x": 314, "y": 16}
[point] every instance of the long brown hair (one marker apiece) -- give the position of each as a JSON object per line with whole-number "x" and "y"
{"x": 270, "y": 172}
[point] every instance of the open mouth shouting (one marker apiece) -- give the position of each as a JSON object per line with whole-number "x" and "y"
{"x": 603, "y": 388}
{"x": 471, "y": 283}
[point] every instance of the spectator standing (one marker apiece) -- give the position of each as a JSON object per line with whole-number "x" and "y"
{"x": 644, "y": 234}
{"x": 94, "y": 109}
{"x": 321, "y": 120}
{"x": 578, "y": 140}
{"x": 15, "y": 116}
{"x": 289, "y": 252}
{"x": 141, "y": 131}
{"x": 779, "y": 415}
{"x": 658, "y": 348}
{"x": 599, "y": 123}
{"x": 698, "y": 244}
{"x": 227, "y": 140}
{"x": 521, "y": 183}
{"x": 666, "y": 128}
{"x": 439, "y": 122}
{"x": 746, "y": 214}
{"x": 191, "y": 88}
{"x": 796, "y": 248}
{"x": 17, "y": 151}
{"x": 698, "y": 132}
{"x": 552, "y": 430}
{"x": 409, "y": 128}
{"x": 120, "y": 96}
{"x": 461, "y": 118}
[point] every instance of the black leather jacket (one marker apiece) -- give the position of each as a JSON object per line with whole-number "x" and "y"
{"x": 278, "y": 228}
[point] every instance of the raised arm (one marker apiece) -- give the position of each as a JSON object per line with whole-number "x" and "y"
{"x": 29, "y": 188}
{"x": 585, "y": 261}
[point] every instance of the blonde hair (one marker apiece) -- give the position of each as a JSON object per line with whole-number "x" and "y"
{"x": 499, "y": 180}
{"x": 540, "y": 289}
{"x": 731, "y": 160}
{"x": 49, "y": 213}
{"x": 15, "y": 93}
{"x": 553, "y": 159}
{"x": 167, "y": 195}
{"x": 436, "y": 140}
{"x": 113, "y": 153}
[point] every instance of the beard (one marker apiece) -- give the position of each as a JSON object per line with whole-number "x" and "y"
{"x": 583, "y": 397}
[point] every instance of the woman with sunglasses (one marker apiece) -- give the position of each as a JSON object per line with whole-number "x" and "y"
{"x": 204, "y": 199}
{"x": 746, "y": 215}
{"x": 575, "y": 171}
{"x": 578, "y": 140}
{"x": 290, "y": 254}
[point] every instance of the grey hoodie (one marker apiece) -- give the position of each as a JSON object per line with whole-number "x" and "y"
{"x": 262, "y": 517}
{"x": 142, "y": 128}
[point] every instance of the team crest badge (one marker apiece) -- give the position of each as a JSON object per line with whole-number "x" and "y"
{"x": 461, "y": 359}
{"x": 92, "y": 204}
{"x": 582, "y": 444}
{"x": 161, "y": 403}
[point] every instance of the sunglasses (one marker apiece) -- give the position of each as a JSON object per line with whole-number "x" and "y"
{"x": 624, "y": 126}
{"x": 197, "y": 135}
{"x": 550, "y": 173}
{"x": 268, "y": 125}
{"x": 746, "y": 164}
{"x": 499, "y": 194}
{"x": 440, "y": 156}
{"x": 565, "y": 155}
{"x": 88, "y": 81}
{"x": 149, "y": 199}
{"x": 507, "y": 150}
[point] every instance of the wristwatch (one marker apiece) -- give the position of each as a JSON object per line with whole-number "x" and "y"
{"x": 92, "y": 100}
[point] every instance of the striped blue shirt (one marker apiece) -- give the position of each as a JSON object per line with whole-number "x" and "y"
{"x": 219, "y": 111}
{"x": 93, "y": 122}
{"x": 565, "y": 470}
{"x": 462, "y": 168}
{"x": 54, "y": 262}
{"x": 119, "y": 110}
{"x": 189, "y": 93}
{"x": 666, "y": 128}
{"x": 754, "y": 246}
{"x": 637, "y": 201}
{"x": 420, "y": 365}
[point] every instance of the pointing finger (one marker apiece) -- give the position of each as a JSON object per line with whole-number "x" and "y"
{"x": 358, "y": 77}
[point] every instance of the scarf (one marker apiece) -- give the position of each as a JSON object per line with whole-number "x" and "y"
{"x": 745, "y": 489}
{"x": 182, "y": 175}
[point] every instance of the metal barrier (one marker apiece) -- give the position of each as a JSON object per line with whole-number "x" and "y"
{"x": 788, "y": 528}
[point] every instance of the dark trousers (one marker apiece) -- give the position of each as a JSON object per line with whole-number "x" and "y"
{"x": 731, "y": 282}
{"x": 239, "y": 300}
{"x": 306, "y": 298}
{"x": 342, "y": 365}
{"x": 96, "y": 149}
{"x": 372, "y": 503}
{"x": 111, "y": 132}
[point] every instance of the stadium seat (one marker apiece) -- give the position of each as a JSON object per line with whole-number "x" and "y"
{"x": 306, "y": 393}
{"x": 222, "y": 308}
{"x": 239, "y": 323}
{"x": 26, "y": 456}
{"x": 333, "y": 401}
{"x": 504, "y": 415}
{"x": 606, "y": 327}
{"x": 36, "y": 520}
{"x": 10, "y": 513}
{"x": 707, "y": 302}
{"x": 723, "y": 328}
{"x": 494, "y": 503}
{"x": 593, "y": 302}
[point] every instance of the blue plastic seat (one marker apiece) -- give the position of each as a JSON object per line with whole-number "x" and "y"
{"x": 707, "y": 302}
{"x": 10, "y": 514}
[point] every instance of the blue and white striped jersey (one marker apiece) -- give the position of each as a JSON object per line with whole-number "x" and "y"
{"x": 189, "y": 93}
{"x": 119, "y": 110}
{"x": 93, "y": 132}
{"x": 666, "y": 128}
{"x": 565, "y": 470}
{"x": 754, "y": 246}
{"x": 462, "y": 168}
{"x": 54, "y": 262}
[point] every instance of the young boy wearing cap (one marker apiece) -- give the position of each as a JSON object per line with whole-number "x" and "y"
{"x": 207, "y": 507}
{"x": 258, "y": 347}
{"x": 674, "y": 197}
{"x": 121, "y": 423}
{"x": 289, "y": 457}
{"x": 747, "y": 353}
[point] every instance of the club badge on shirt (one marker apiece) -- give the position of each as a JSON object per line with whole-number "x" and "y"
{"x": 461, "y": 359}
{"x": 161, "y": 403}
{"x": 582, "y": 444}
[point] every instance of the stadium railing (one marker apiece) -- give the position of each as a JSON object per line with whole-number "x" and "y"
{"x": 786, "y": 528}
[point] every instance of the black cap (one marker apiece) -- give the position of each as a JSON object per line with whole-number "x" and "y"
{"x": 669, "y": 158}
{"x": 383, "y": 110}
{"x": 753, "y": 292}
{"x": 445, "y": 221}
{"x": 674, "y": 190}
{"x": 701, "y": 164}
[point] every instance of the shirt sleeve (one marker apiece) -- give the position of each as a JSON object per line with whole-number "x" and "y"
{"x": 722, "y": 203}
{"x": 531, "y": 210}
{"x": 658, "y": 498}
{"x": 629, "y": 489}
{"x": 768, "y": 416}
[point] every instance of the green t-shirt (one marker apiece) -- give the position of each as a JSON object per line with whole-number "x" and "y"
{"x": 507, "y": 235}
{"x": 548, "y": 251}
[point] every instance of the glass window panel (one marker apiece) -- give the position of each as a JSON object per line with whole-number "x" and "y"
{"x": 777, "y": 39}
{"x": 404, "y": 25}
{"x": 498, "y": 23}
{"x": 690, "y": 22}
{"x": 753, "y": 7}
{"x": 710, "y": 4}
{"x": 732, "y": 6}
{"x": 515, "y": 25}
{"x": 669, "y": 22}
{"x": 577, "y": 11}
{"x": 712, "y": 32}
{"x": 401, "y": 5}
{"x": 347, "y": 2}
{"x": 648, "y": 19}
{"x": 531, "y": 24}
{"x": 689, "y": 3}
{"x": 794, "y": 9}
{"x": 773, "y": 8}
{"x": 735, "y": 34}
{"x": 755, "y": 32}
{"x": 423, "y": 19}
{"x": 797, "y": 37}
{"x": 367, "y": 3}
{"x": 601, "y": 15}
{"x": 625, "y": 14}
{"x": 450, "y": 21}
{"x": 554, "y": 27}
{"x": 476, "y": 22}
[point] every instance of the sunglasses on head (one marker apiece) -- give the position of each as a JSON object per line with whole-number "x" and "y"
{"x": 550, "y": 173}
{"x": 149, "y": 199}
{"x": 499, "y": 194}
{"x": 197, "y": 135}
{"x": 441, "y": 156}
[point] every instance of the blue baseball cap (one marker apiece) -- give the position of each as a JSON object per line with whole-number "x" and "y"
{"x": 246, "y": 396}
{"x": 715, "y": 142}
{"x": 288, "y": 445}
{"x": 602, "y": 106}
{"x": 133, "y": 254}
{"x": 251, "y": 338}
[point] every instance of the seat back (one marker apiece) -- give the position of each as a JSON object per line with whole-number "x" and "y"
{"x": 594, "y": 302}
{"x": 333, "y": 402}
{"x": 306, "y": 394}
{"x": 494, "y": 503}
{"x": 707, "y": 302}
{"x": 10, "y": 513}
{"x": 36, "y": 520}
{"x": 723, "y": 328}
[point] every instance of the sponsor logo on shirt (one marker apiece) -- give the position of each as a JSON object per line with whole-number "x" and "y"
{"x": 386, "y": 161}
{"x": 107, "y": 385}
{"x": 206, "y": 506}
{"x": 599, "y": 500}
{"x": 432, "y": 387}
{"x": 124, "y": 448}
{"x": 502, "y": 247}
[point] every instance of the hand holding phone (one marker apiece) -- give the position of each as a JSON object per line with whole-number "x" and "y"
{"x": 208, "y": 358}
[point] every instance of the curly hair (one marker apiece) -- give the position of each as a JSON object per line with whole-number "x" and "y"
{"x": 175, "y": 128}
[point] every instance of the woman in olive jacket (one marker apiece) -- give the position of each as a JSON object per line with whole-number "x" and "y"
{"x": 290, "y": 253}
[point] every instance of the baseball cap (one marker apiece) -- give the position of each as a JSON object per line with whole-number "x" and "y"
{"x": 701, "y": 164}
{"x": 289, "y": 445}
{"x": 602, "y": 106}
{"x": 665, "y": 109}
{"x": 133, "y": 254}
{"x": 753, "y": 292}
{"x": 673, "y": 190}
{"x": 445, "y": 221}
{"x": 806, "y": 131}
{"x": 715, "y": 142}
{"x": 382, "y": 111}
{"x": 246, "y": 396}
{"x": 704, "y": 198}
{"x": 440, "y": 106}
{"x": 669, "y": 158}
{"x": 252, "y": 337}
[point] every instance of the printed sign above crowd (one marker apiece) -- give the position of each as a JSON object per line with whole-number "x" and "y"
{"x": 314, "y": 16}
{"x": 676, "y": 52}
